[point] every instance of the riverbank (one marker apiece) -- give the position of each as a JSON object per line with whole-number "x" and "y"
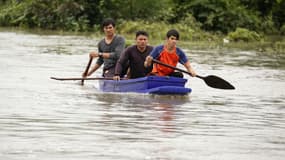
{"x": 269, "y": 44}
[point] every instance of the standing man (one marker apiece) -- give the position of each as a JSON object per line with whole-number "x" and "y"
{"x": 109, "y": 50}
{"x": 169, "y": 54}
{"x": 135, "y": 56}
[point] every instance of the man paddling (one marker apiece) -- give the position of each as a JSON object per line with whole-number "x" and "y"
{"x": 169, "y": 54}
{"x": 135, "y": 56}
{"x": 109, "y": 50}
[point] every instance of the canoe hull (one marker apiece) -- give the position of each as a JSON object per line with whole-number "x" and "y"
{"x": 149, "y": 84}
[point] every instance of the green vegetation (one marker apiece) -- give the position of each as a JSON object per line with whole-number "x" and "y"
{"x": 242, "y": 34}
{"x": 240, "y": 21}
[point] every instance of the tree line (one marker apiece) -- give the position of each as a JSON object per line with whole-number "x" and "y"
{"x": 218, "y": 16}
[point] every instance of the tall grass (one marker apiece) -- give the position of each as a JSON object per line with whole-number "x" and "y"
{"x": 158, "y": 30}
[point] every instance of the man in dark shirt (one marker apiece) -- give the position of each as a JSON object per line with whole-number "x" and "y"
{"x": 135, "y": 56}
{"x": 109, "y": 50}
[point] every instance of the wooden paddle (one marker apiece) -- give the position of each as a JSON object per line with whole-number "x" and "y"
{"x": 211, "y": 80}
{"x": 74, "y": 79}
{"x": 86, "y": 70}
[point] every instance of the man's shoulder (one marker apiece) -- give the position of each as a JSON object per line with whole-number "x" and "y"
{"x": 101, "y": 41}
{"x": 179, "y": 50}
{"x": 119, "y": 38}
{"x": 149, "y": 47}
{"x": 158, "y": 48}
{"x": 131, "y": 47}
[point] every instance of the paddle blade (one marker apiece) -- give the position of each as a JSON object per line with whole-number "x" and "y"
{"x": 217, "y": 82}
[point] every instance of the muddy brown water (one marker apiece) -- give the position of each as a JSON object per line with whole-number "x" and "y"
{"x": 46, "y": 119}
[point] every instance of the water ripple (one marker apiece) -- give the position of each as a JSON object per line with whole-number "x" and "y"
{"x": 43, "y": 119}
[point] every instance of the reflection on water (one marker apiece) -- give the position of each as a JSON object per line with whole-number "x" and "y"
{"x": 163, "y": 109}
{"x": 42, "y": 118}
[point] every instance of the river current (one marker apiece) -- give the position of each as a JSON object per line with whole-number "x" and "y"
{"x": 45, "y": 119}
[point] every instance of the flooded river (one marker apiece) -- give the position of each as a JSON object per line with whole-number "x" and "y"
{"x": 45, "y": 119}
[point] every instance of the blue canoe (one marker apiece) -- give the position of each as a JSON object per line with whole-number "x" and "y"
{"x": 149, "y": 84}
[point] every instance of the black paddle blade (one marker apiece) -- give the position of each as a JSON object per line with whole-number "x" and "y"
{"x": 217, "y": 82}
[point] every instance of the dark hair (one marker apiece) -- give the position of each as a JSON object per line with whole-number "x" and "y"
{"x": 144, "y": 33}
{"x": 107, "y": 22}
{"x": 174, "y": 33}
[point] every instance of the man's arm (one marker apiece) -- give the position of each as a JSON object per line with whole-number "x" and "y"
{"x": 148, "y": 61}
{"x": 189, "y": 68}
{"x": 96, "y": 66}
{"x": 124, "y": 57}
